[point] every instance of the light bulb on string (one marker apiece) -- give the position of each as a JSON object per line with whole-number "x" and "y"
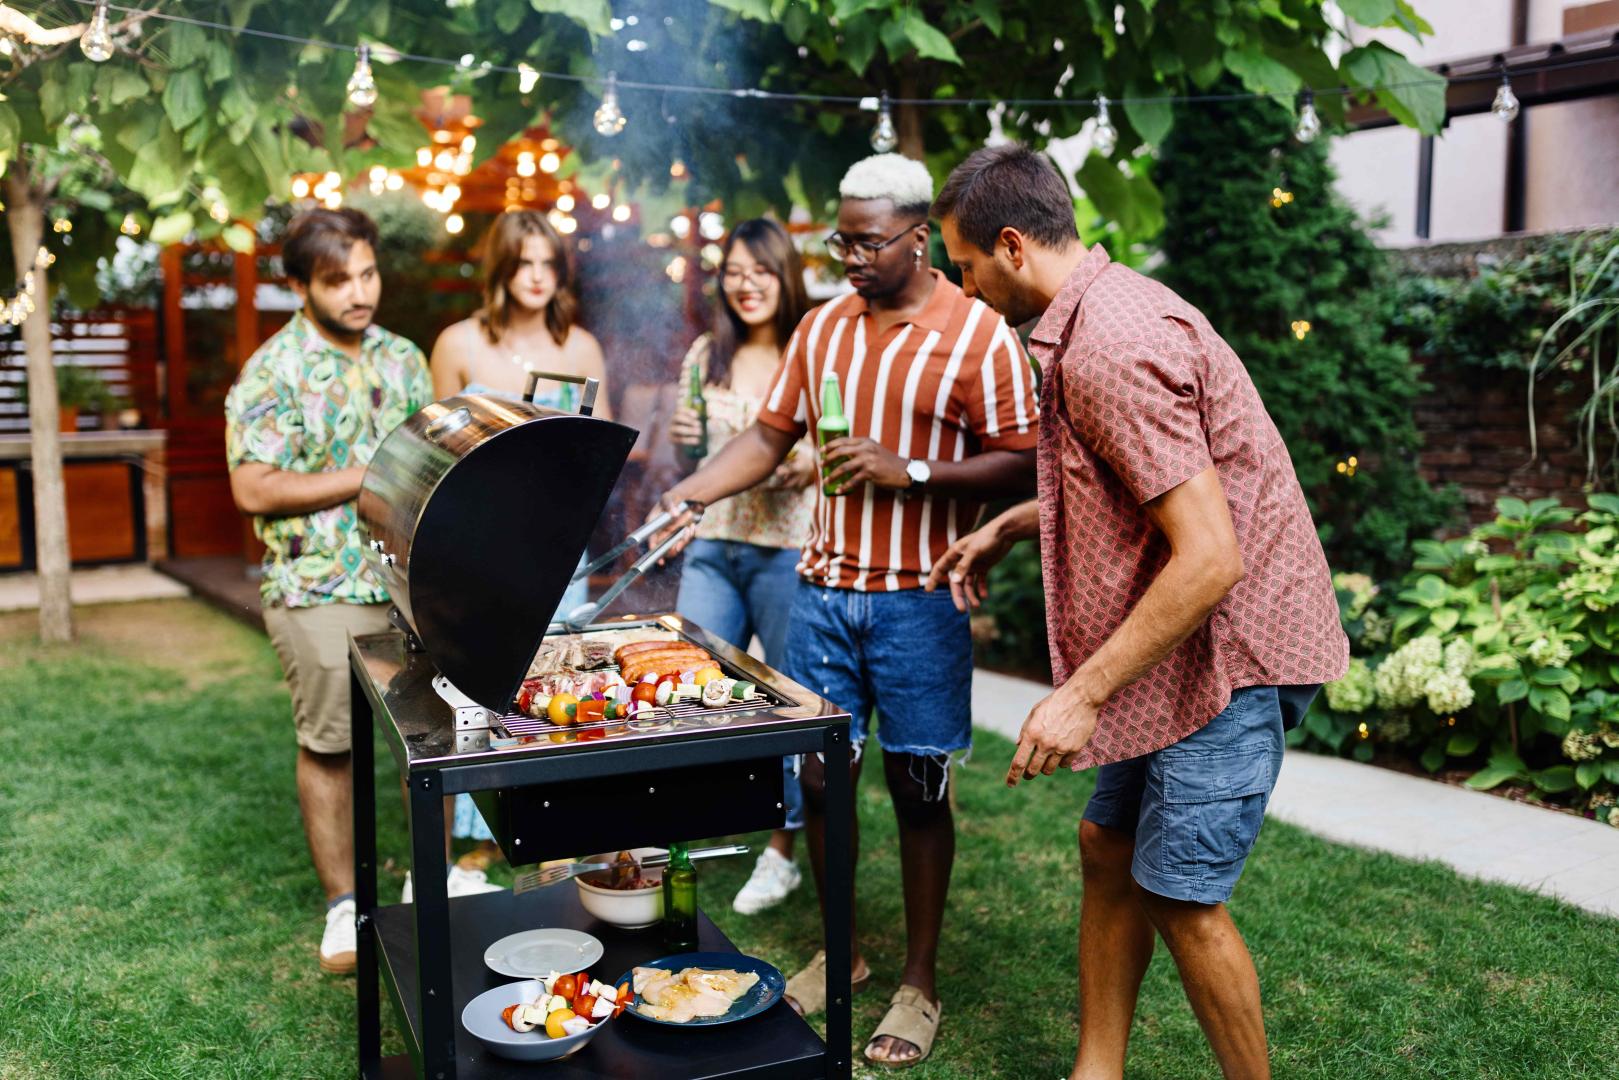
{"x": 1309, "y": 125}
{"x": 362, "y": 87}
{"x": 527, "y": 78}
{"x": 550, "y": 162}
{"x": 96, "y": 41}
{"x": 1505, "y": 107}
{"x": 609, "y": 118}
{"x": 883, "y": 136}
{"x": 1104, "y": 137}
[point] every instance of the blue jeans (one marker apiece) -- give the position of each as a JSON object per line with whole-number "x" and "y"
{"x": 907, "y": 655}
{"x": 734, "y": 591}
{"x": 1195, "y": 807}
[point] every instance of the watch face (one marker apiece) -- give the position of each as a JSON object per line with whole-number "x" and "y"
{"x": 918, "y": 471}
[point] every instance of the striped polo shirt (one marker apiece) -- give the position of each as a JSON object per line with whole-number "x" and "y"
{"x": 950, "y": 382}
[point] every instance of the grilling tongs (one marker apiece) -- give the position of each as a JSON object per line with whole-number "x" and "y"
{"x": 585, "y": 613}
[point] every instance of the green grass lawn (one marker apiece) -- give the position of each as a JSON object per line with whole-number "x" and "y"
{"x": 161, "y": 917}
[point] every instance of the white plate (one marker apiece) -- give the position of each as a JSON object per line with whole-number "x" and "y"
{"x": 534, "y": 954}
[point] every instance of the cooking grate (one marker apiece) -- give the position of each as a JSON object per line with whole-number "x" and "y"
{"x": 518, "y": 726}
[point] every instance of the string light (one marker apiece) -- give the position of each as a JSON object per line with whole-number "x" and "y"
{"x": 1505, "y": 106}
{"x": 565, "y": 203}
{"x": 62, "y": 225}
{"x": 621, "y": 212}
{"x": 1364, "y": 731}
{"x": 677, "y": 169}
{"x": 1300, "y": 328}
{"x": 362, "y": 87}
{"x": 525, "y": 163}
{"x": 454, "y": 224}
{"x": 96, "y": 42}
{"x": 883, "y": 136}
{"x": 602, "y": 201}
{"x": 527, "y": 78}
{"x": 219, "y": 212}
{"x": 609, "y": 118}
{"x": 550, "y": 162}
{"x": 1309, "y": 126}
{"x": 424, "y": 156}
{"x": 1280, "y": 198}
{"x": 676, "y": 269}
{"x": 16, "y": 310}
{"x": 1349, "y": 466}
{"x": 1104, "y": 136}
{"x": 130, "y": 226}
{"x": 300, "y": 188}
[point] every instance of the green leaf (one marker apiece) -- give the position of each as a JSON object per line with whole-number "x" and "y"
{"x": 1412, "y": 95}
{"x": 184, "y": 98}
{"x": 1408, "y": 20}
{"x": 930, "y": 41}
{"x": 509, "y": 15}
{"x": 1118, "y": 197}
{"x": 240, "y": 238}
{"x": 758, "y": 10}
{"x": 1260, "y": 73}
{"x": 116, "y": 84}
{"x": 1555, "y": 779}
{"x": 1512, "y": 690}
{"x": 171, "y": 228}
{"x": 1549, "y": 676}
{"x": 184, "y": 44}
{"x": 1490, "y": 776}
{"x": 1610, "y": 771}
{"x": 1152, "y": 119}
{"x": 1368, "y": 12}
{"x": 1553, "y": 703}
{"x": 990, "y": 12}
{"x": 1587, "y": 773}
{"x": 1445, "y": 619}
{"x": 220, "y": 63}
{"x": 161, "y": 165}
{"x": 1602, "y": 500}
{"x": 594, "y": 15}
{"x": 1461, "y": 744}
{"x": 1509, "y": 507}
{"x": 10, "y": 132}
{"x": 859, "y": 43}
{"x": 1433, "y": 758}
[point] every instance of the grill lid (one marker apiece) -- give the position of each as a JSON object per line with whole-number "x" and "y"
{"x": 474, "y": 513}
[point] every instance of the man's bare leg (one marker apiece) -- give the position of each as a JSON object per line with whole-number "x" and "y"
{"x": 327, "y": 801}
{"x": 1220, "y": 981}
{"x": 1115, "y": 946}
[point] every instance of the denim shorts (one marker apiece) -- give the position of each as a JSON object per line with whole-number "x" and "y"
{"x": 735, "y": 590}
{"x": 1195, "y": 806}
{"x": 907, "y": 655}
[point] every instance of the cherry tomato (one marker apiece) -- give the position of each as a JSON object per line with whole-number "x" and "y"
{"x": 645, "y": 691}
{"x": 563, "y": 710}
{"x": 584, "y": 1005}
{"x": 566, "y": 987}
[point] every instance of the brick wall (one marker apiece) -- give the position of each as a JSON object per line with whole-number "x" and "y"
{"x": 1475, "y": 426}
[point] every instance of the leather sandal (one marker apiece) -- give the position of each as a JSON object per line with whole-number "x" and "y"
{"x": 913, "y": 1018}
{"x": 808, "y": 987}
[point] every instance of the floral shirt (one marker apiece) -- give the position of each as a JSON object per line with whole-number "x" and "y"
{"x": 767, "y": 516}
{"x": 303, "y": 405}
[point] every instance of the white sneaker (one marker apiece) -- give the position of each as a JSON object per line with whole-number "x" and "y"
{"x": 774, "y": 877}
{"x": 337, "y": 943}
{"x": 460, "y": 883}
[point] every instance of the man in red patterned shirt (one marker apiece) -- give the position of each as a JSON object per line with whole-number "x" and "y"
{"x": 1190, "y": 608}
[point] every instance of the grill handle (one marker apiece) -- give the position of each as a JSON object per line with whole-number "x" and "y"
{"x": 587, "y": 400}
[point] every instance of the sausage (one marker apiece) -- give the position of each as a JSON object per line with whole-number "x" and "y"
{"x": 691, "y": 651}
{"x": 636, "y": 647}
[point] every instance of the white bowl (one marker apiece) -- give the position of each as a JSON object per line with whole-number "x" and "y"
{"x": 627, "y": 909}
{"x": 481, "y": 1017}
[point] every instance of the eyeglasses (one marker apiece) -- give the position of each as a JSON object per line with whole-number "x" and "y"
{"x": 734, "y": 278}
{"x": 841, "y": 247}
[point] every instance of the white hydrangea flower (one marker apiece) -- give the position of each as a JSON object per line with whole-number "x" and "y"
{"x": 1449, "y": 692}
{"x": 1355, "y": 692}
{"x": 1402, "y": 679}
{"x": 1548, "y": 652}
{"x": 1459, "y": 657}
{"x": 1581, "y": 746}
{"x": 1609, "y": 736}
{"x": 1375, "y": 629}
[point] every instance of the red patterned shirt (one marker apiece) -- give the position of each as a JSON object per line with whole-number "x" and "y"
{"x": 1140, "y": 395}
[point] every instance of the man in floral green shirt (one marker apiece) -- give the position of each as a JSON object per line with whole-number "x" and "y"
{"x": 307, "y": 412}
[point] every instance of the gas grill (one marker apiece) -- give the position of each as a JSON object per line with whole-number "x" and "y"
{"x": 475, "y": 512}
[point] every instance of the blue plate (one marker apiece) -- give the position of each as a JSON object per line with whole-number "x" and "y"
{"x": 765, "y": 993}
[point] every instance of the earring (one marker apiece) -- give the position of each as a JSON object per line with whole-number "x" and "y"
{"x": 917, "y": 255}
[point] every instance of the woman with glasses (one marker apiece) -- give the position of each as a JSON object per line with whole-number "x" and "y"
{"x": 527, "y": 323}
{"x": 741, "y": 571}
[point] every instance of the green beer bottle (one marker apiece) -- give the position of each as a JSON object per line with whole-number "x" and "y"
{"x": 680, "y": 900}
{"x": 832, "y": 425}
{"x": 699, "y": 405}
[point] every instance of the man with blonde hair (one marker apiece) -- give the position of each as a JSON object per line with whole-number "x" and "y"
{"x": 941, "y": 408}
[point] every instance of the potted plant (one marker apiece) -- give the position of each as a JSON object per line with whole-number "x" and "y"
{"x": 78, "y": 389}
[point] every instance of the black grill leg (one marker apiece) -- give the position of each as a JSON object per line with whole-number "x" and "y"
{"x": 432, "y": 911}
{"x": 839, "y": 904}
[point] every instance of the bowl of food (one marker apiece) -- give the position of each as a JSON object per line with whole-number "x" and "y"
{"x": 542, "y": 1019}
{"x": 627, "y": 896}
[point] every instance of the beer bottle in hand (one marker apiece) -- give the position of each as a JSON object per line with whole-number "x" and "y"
{"x": 832, "y": 425}
{"x": 699, "y": 405}
{"x": 680, "y": 900}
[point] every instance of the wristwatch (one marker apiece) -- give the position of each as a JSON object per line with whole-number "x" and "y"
{"x": 919, "y": 472}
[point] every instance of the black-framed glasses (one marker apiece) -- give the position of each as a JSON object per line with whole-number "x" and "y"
{"x": 841, "y": 247}
{"x": 735, "y": 277}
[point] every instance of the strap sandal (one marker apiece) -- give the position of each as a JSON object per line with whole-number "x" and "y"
{"x": 807, "y": 989}
{"x": 912, "y": 1018}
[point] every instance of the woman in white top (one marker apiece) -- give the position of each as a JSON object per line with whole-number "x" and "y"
{"x": 740, "y": 573}
{"x": 527, "y": 323}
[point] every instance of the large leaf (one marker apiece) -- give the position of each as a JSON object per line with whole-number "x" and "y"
{"x": 1512, "y": 690}
{"x": 184, "y": 99}
{"x": 116, "y": 84}
{"x": 1555, "y": 779}
{"x": 10, "y": 132}
{"x": 594, "y": 15}
{"x": 1552, "y": 702}
{"x": 748, "y": 9}
{"x": 1151, "y": 117}
{"x": 1490, "y": 776}
{"x": 240, "y": 238}
{"x": 161, "y": 166}
{"x": 171, "y": 228}
{"x": 1412, "y": 95}
{"x": 859, "y": 43}
{"x": 65, "y": 89}
{"x": 1368, "y": 12}
{"x": 1132, "y": 202}
{"x": 1461, "y": 744}
{"x": 930, "y": 41}
{"x": 1260, "y": 73}
{"x": 1587, "y": 773}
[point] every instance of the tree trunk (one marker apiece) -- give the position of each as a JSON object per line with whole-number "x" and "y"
{"x": 908, "y": 118}
{"x": 25, "y": 216}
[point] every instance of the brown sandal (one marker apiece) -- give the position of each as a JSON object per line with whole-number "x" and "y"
{"x": 808, "y": 987}
{"x": 912, "y": 1018}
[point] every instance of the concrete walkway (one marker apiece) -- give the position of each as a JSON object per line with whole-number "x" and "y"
{"x": 1478, "y": 835}
{"x": 97, "y": 585}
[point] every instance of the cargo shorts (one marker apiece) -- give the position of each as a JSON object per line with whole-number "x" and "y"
{"x": 313, "y": 644}
{"x": 1195, "y": 807}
